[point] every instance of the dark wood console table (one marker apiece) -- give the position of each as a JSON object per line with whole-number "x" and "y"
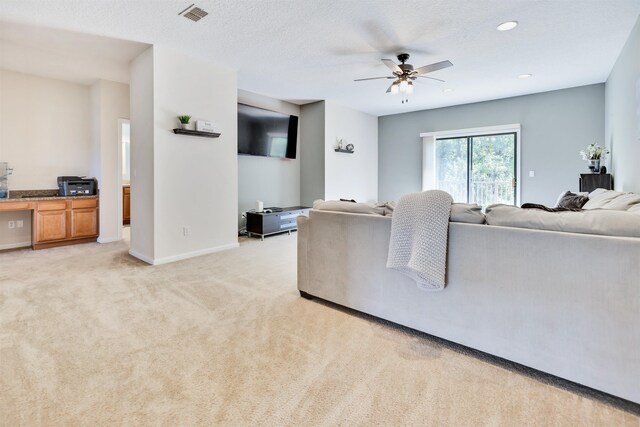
{"x": 590, "y": 181}
{"x": 264, "y": 224}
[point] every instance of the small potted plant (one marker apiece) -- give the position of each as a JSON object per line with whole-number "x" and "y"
{"x": 593, "y": 155}
{"x": 184, "y": 121}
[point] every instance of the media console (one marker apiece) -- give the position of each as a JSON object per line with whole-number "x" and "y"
{"x": 266, "y": 223}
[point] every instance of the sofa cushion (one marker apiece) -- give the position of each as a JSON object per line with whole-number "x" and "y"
{"x": 600, "y": 197}
{"x": 349, "y": 207}
{"x": 623, "y": 202}
{"x": 609, "y": 199}
{"x": 598, "y": 221}
{"x": 460, "y": 212}
{"x": 389, "y": 207}
{"x": 572, "y": 201}
{"x": 465, "y": 212}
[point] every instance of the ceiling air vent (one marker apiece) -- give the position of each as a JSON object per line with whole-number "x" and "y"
{"x": 193, "y": 13}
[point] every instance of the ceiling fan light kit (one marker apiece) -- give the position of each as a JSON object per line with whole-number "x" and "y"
{"x": 409, "y": 89}
{"x": 403, "y": 75}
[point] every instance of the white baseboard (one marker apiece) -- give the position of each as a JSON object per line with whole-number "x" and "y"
{"x": 180, "y": 257}
{"x": 26, "y": 244}
{"x": 108, "y": 240}
{"x": 140, "y": 257}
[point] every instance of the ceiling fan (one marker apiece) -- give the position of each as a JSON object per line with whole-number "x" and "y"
{"x": 404, "y": 74}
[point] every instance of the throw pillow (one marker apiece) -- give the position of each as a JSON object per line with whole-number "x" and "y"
{"x": 572, "y": 201}
{"x": 564, "y": 193}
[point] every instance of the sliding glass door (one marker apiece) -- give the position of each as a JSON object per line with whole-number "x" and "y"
{"x": 478, "y": 169}
{"x": 452, "y": 167}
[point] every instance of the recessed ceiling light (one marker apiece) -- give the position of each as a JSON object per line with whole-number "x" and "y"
{"x": 506, "y": 26}
{"x": 525, "y": 76}
{"x": 447, "y": 90}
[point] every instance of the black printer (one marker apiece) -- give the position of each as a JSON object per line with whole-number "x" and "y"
{"x": 77, "y": 186}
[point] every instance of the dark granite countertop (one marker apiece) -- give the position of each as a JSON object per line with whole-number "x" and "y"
{"x": 38, "y": 195}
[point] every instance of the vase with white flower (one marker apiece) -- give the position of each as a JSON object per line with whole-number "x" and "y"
{"x": 593, "y": 154}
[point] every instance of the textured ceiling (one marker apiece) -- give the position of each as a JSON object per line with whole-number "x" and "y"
{"x": 65, "y": 55}
{"x": 305, "y": 50}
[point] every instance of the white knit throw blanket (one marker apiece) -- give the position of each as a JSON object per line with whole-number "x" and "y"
{"x": 418, "y": 245}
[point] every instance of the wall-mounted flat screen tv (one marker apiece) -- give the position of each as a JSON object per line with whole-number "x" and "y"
{"x": 266, "y": 133}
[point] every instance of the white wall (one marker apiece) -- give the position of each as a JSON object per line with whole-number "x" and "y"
{"x": 45, "y": 129}
{"x": 351, "y": 176}
{"x": 194, "y": 181}
{"x": 274, "y": 181}
{"x": 109, "y": 102}
{"x": 622, "y": 115}
{"x": 142, "y": 156}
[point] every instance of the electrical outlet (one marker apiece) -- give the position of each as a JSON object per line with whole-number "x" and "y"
{"x": 186, "y": 230}
{"x": 19, "y": 223}
{"x": 12, "y": 224}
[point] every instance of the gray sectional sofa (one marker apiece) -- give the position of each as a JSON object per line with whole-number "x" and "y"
{"x": 560, "y": 300}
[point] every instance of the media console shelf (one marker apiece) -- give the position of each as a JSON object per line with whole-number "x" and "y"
{"x": 263, "y": 224}
{"x": 196, "y": 133}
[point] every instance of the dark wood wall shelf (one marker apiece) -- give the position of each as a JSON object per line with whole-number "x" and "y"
{"x": 342, "y": 150}
{"x": 196, "y": 133}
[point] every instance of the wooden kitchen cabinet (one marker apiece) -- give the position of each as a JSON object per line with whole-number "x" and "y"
{"x": 63, "y": 222}
{"x": 51, "y": 224}
{"x": 84, "y": 218}
{"x": 59, "y": 221}
{"x": 126, "y": 204}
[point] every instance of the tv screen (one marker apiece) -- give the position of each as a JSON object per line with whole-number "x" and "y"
{"x": 266, "y": 133}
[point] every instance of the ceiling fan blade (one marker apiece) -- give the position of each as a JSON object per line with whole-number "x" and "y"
{"x": 373, "y": 78}
{"x": 433, "y": 67}
{"x": 432, "y": 78}
{"x": 389, "y": 90}
{"x": 392, "y": 65}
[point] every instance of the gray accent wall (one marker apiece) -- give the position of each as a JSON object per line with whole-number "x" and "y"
{"x": 555, "y": 126}
{"x": 274, "y": 181}
{"x": 312, "y": 147}
{"x": 622, "y": 110}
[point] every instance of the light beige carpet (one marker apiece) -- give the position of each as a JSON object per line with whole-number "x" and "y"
{"x": 91, "y": 336}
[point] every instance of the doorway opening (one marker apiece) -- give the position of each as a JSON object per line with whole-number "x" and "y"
{"x": 124, "y": 162}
